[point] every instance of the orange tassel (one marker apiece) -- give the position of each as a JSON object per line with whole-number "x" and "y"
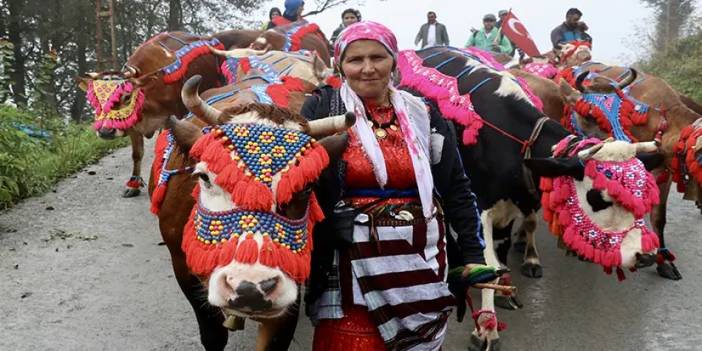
{"x": 227, "y": 251}
{"x": 157, "y": 198}
{"x": 247, "y": 251}
{"x": 269, "y": 255}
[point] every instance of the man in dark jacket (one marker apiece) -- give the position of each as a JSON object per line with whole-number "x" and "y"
{"x": 432, "y": 33}
{"x": 570, "y": 30}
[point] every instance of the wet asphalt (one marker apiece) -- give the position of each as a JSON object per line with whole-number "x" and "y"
{"x": 83, "y": 269}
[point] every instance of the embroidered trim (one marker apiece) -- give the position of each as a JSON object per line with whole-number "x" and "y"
{"x": 187, "y": 54}
{"x": 165, "y": 144}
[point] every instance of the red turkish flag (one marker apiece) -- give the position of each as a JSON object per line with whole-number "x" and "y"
{"x": 513, "y": 28}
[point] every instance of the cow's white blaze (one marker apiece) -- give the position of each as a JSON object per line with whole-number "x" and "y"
{"x": 223, "y": 281}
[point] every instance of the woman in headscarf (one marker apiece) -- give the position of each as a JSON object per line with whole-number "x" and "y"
{"x": 272, "y": 13}
{"x": 383, "y": 284}
{"x": 348, "y": 17}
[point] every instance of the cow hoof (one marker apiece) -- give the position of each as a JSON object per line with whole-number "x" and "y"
{"x": 510, "y": 303}
{"x": 476, "y": 344}
{"x": 532, "y": 270}
{"x": 669, "y": 271}
{"x": 131, "y": 192}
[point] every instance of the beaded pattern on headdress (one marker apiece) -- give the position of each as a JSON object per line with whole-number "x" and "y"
{"x": 245, "y": 159}
{"x": 105, "y": 95}
{"x": 628, "y": 184}
{"x": 218, "y": 228}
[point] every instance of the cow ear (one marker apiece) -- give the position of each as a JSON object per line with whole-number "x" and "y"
{"x": 556, "y": 167}
{"x": 651, "y": 160}
{"x": 570, "y": 95}
{"x": 83, "y": 82}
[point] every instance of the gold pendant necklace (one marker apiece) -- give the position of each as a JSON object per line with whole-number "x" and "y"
{"x": 381, "y": 133}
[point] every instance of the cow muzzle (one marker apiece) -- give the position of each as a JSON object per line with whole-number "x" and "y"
{"x": 109, "y": 133}
{"x": 252, "y": 297}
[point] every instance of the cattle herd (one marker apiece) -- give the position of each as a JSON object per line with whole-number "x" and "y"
{"x": 532, "y": 138}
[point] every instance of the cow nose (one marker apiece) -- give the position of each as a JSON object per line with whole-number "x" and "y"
{"x": 249, "y": 298}
{"x": 107, "y": 133}
{"x": 269, "y": 285}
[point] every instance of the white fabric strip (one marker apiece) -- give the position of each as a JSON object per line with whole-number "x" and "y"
{"x": 410, "y": 294}
{"x": 414, "y": 123}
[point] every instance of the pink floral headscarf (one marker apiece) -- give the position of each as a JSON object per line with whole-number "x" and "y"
{"x": 365, "y": 30}
{"x": 411, "y": 114}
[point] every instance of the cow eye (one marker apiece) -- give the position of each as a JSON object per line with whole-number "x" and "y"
{"x": 204, "y": 178}
{"x": 596, "y": 201}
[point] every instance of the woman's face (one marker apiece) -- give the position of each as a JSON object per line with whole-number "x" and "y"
{"x": 349, "y": 19}
{"x": 367, "y": 66}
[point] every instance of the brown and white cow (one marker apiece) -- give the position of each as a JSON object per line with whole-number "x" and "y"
{"x": 247, "y": 276}
{"x": 139, "y": 99}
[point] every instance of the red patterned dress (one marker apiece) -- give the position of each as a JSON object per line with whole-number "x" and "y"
{"x": 358, "y": 330}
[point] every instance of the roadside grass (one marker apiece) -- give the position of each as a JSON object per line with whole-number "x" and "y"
{"x": 32, "y": 165}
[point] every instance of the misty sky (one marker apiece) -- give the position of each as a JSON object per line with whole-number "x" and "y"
{"x": 615, "y": 25}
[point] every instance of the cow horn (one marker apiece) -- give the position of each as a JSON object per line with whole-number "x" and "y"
{"x": 192, "y": 100}
{"x": 648, "y": 146}
{"x": 630, "y": 78}
{"x": 129, "y": 72}
{"x": 185, "y": 133}
{"x": 238, "y": 53}
{"x": 579, "y": 81}
{"x": 588, "y": 153}
{"x": 92, "y": 75}
{"x": 331, "y": 125}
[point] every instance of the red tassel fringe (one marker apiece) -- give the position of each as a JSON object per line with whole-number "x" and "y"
{"x": 280, "y": 93}
{"x": 306, "y": 171}
{"x": 296, "y": 39}
{"x": 684, "y": 153}
{"x": 203, "y": 258}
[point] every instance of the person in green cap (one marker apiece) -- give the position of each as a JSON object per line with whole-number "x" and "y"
{"x": 490, "y": 38}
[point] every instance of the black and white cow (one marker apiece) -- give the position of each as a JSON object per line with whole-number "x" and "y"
{"x": 513, "y": 129}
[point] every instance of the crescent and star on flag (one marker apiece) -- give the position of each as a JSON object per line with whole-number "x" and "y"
{"x": 519, "y": 35}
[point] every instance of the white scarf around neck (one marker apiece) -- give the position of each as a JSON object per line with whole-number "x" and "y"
{"x": 414, "y": 123}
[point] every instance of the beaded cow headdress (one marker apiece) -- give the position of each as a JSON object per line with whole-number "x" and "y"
{"x": 261, "y": 167}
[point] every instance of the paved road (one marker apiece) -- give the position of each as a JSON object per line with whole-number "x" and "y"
{"x": 82, "y": 270}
